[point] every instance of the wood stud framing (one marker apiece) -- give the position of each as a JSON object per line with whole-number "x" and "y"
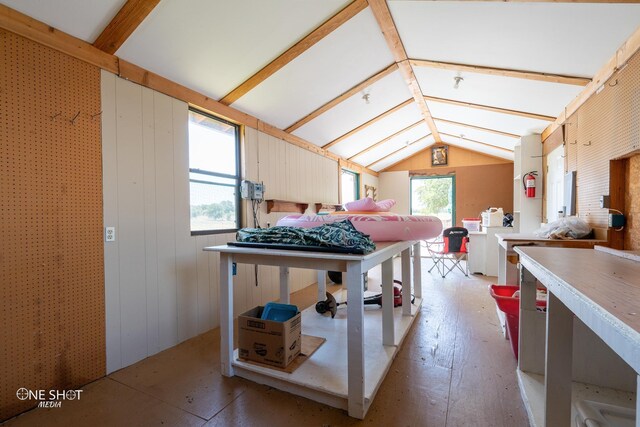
{"x": 494, "y": 131}
{"x": 337, "y": 100}
{"x": 503, "y": 72}
{"x": 382, "y": 14}
{"x": 296, "y": 50}
{"x": 497, "y": 147}
{"x": 398, "y": 150}
{"x": 124, "y": 24}
{"x": 377, "y": 144}
{"x": 490, "y": 108}
{"x": 367, "y": 124}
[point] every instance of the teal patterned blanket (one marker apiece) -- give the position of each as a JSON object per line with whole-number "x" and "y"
{"x": 340, "y": 234}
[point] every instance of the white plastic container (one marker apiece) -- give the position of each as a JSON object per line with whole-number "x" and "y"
{"x": 471, "y": 224}
{"x": 492, "y": 217}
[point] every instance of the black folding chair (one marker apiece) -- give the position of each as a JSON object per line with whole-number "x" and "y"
{"x": 449, "y": 252}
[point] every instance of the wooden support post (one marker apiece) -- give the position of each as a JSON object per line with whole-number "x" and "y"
{"x": 405, "y": 261}
{"x": 322, "y": 285}
{"x": 417, "y": 270}
{"x": 388, "y": 330}
{"x": 559, "y": 363}
{"x": 355, "y": 339}
{"x": 226, "y": 314}
{"x": 284, "y": 285}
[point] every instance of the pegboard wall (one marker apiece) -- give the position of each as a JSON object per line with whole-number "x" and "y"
{"x": 51, "y": 250}
{"x": 606, "y": 127}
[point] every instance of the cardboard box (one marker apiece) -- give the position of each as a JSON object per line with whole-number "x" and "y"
{"x": 266, "y": 341}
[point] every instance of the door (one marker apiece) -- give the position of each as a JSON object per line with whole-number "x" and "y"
{"x": 555, "y": 183}
{"x": 434, "y": 195}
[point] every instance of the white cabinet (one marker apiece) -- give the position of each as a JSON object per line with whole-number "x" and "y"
{"x": 483, "y": 250}
{"x": 527, "y": 212}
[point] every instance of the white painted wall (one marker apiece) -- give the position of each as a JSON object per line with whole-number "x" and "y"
{"x": 395, "y": 185}
{"x": 160, "y": 287}
{"x": 371, "y": 181}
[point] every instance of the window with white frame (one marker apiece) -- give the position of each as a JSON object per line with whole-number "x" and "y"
{"x": 214, "y": 174}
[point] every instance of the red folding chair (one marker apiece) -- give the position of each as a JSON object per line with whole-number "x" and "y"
{"x": 448, "y": 253}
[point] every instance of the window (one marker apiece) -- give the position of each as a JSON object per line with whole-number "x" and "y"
{"x": 214, "y": 174}
{"x": 350, "y": 186}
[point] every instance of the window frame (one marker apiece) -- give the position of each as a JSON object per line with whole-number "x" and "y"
{"x": 237, "y": 178}
{"x": 356, "y": 183}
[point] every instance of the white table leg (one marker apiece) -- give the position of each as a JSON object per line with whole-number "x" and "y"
{"x": 638, "y": 402}
{"x": 529, "y": 359}
{"x": 284, "y": 285}
{"x": 405, "y": 261}
{"x": 226, "y": 314}
{"x": 388, "y": 329}
{"x": 417, "y": 271}
{"x": 559, "y": 363}
{"x": 355, "y": 339}
{"x": 322, "y": 285}
{"x": 502, "y": 265}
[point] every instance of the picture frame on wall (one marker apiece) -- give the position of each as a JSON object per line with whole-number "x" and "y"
{"x": 440, "y": 155}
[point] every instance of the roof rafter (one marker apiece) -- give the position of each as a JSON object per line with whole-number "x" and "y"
{"x": 337, "y": 100}
{"x": 480, "y": 128}
{"x": 382, "y": 14}
{"x": 398, "y": 150}
{"x": 503, "y": 72}
{"x": 497, "y": 147}
{"x": 490, "y": 108}
{"x": 128, "y": 18}
{"x": 351, "y": 10}
{"x": 393, "y": 135}
{"x": 367, "y": 124}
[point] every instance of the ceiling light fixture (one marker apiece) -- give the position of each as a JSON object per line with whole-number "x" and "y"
{"x": 366, "y": 95}
{"x": 457, "y": 80}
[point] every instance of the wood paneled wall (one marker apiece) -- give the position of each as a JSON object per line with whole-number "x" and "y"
{"x": 606, "y": 127}
{"x": 161, "y": 288}
{"x": 51, "y": 266}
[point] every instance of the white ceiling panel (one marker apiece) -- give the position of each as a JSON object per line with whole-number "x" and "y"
{"x": 487, "y": 119}
{"x": 470, "y": 145}
{"x": 344, "y": 58}
{"x": 478, "y": 135}
{"x": 393, "y": 144}
{"x": 84, "y": 19}
{"x": 504, "y": 92}
{"x": 401, "y": 155}
{"x": 562, "y": 38}
{"x": 214, "y": 45}
{"x": 378, "y": 131}
{"x": 354, "y": 111}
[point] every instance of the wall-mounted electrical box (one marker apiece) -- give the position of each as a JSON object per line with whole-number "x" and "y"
{"x": 605, "y": 202}
{"x": 252, "y": 190}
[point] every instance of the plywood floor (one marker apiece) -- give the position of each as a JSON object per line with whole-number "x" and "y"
{"x": 454, "y": 369}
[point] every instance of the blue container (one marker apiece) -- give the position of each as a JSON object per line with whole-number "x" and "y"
{"x": 278, "y": 312}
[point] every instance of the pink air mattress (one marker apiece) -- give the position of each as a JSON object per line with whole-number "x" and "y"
{"x": 381, "y": 228}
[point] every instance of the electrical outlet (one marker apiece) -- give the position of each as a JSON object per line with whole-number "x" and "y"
{"x": 109, "y": 234}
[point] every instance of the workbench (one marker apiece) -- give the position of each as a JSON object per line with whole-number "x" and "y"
{"x": 598, "y": 289}
{"x": 347, "y": 370}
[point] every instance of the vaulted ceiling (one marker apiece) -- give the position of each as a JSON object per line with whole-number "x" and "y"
{"x": 370, "y": 81}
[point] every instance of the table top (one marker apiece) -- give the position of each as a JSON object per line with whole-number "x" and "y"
{"x": 530, "y": 237}
{"x": 381, "y": 248}
{"x": 604, "y": 288}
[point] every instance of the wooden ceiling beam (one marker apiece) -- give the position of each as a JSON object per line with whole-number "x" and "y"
{"x": 348, "y": 94}
{"x": 503, "y": 72}
{"x": 490, "y": 108}
{"x": 351, "y": 10}
{"x": 497, "y": 147}
{"x": 615, "y": 63}
{"x": 128, "y": 18}
{"x": 497, "y": 132}
{"x": 382, "y": 14}
{"x": 398, "y": 150}
{"x": 367, "y": 124}
{"x": 379, "y": 143}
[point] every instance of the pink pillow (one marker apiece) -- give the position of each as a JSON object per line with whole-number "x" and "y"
{"x": 364, "y": 205}
{"x": 385, "y": 205}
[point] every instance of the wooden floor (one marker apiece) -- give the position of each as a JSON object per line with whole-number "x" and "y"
{"x": 454, "y": 369}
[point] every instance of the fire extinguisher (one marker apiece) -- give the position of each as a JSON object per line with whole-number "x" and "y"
{"x": 529, "y": 183}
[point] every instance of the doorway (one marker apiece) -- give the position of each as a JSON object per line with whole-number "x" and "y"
{"x": 434, "y": 196}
